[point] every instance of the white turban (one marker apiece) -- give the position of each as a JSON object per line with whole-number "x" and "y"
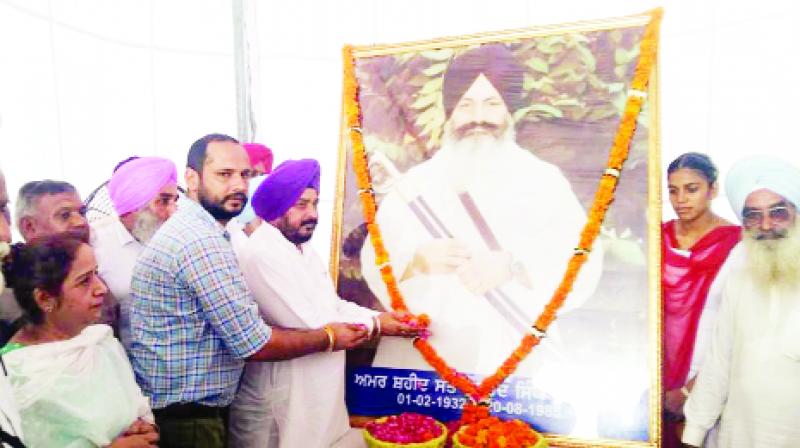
{"x": 761, "y": 172}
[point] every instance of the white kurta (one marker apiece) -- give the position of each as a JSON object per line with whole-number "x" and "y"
{"x": 299, "y": 402}
{"x": 75, "y": 393}
{"x": 9, "y": 415}
{"x": 534, "y": 214}
{"x": 750, "y": 380}
{"x": 116, "y": 251}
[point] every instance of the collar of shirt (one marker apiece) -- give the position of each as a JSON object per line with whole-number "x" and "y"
{"x": 125, "y": 237}
{"x": 193, "y": 208}
{"x": 111, "y": 227}
{"x": 279, "y": 238}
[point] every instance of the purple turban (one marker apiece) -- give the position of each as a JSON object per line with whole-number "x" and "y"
{"x": 259, "y": 153}
{"x": 138, "y": 181}
{"x": 284, "y": 186}
{"x": 499, "y": 66}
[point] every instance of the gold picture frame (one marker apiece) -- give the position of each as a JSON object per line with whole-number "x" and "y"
{"x": 560, "y": 113}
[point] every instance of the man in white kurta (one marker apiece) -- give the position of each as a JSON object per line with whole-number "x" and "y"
{"x": 144, "y": 194}
{"x": 298, "y": 402}
{"x": 750, "y": 381}
{"x": 480, "y": 234}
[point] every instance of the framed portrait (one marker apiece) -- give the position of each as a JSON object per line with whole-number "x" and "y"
{"x": 485, "y": 153}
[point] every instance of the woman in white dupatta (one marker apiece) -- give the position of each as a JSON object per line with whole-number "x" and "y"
{"x": 72, "y": 380}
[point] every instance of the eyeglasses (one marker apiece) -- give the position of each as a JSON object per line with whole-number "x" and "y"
{"x": 778, "y": 214}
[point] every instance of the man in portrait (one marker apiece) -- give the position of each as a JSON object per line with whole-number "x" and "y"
{"x": 480, "y": 234}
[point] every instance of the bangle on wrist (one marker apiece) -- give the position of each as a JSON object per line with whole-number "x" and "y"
{"x": 331, "y": 337}
{"x": 376, "y": 326}
{"x": 685, "y": 391}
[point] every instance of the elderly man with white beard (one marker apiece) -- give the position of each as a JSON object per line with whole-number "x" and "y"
{"x": 144, "y": 193}
{"x": 480, "y": 234}
{"x": 751, "y": 380}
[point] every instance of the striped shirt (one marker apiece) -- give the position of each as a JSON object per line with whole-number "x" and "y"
{"x": 193, "y": 319}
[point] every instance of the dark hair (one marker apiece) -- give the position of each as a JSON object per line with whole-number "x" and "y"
{"x": 197, "y": 153}
{"x": 42, "y": 264}
{"x": 696, "y": 161}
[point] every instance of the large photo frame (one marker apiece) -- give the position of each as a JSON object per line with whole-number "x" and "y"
{"x": 485, "y": 153}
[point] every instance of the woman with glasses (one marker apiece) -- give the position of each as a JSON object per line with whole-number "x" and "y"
{"x": 694, "y": 248}
{"x": 71, "y": 378}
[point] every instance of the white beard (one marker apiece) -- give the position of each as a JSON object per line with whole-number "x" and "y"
{"x": 145, "y": 226}
{"x": 471, "y": 158}
{"x": 774, "y": 263}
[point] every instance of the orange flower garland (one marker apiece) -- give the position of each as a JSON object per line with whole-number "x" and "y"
{"x": 603, "y": 198}
{"x": 491, "y": 432}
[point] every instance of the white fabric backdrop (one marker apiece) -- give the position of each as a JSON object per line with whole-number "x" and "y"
{"x": 86, "y": 83}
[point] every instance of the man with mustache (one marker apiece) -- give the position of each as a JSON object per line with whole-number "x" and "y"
{"x": 48, "y": 207}
{"x": 480, "y": 234}
{"x": 194, "y": 322}
{"x": 144, "y": 194}
{"x": 297, "y": 402}
{"x": 750, "y": 381}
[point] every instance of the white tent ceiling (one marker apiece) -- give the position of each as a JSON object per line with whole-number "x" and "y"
{"x": 86, "y": 83}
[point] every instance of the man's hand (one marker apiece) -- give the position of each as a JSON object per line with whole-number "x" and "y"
{"x": 395, "y": 323}
{"x": 140, "y": 434}
{"x": 135, "y": 441}
{"x": 441, "y": 256}
{"x": 485, "y": 271}
{"x": 348, "y": 336}
{"x": 140, "y": 426}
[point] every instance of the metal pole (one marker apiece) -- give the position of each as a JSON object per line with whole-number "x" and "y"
{"x": 244, "y": 109}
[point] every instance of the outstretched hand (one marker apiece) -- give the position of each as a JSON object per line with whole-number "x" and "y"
{"x": 348, "y": 336}
{"x": 400, "y": 323}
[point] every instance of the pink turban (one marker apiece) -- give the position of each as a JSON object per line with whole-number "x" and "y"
{"x": 259, "y": 153}
{"x": 284, "y": 186}
{"x": 137, "y": 182}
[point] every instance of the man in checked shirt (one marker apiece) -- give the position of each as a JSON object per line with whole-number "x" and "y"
{"x": 194, "y": 323}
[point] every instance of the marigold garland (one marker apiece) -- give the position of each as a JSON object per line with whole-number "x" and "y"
{"x": 603, "y": 197}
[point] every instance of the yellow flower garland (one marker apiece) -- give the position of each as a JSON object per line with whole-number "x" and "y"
{"x": 603, "y": 197}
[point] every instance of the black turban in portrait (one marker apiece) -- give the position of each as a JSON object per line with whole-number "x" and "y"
{"x": 499, "y": 66}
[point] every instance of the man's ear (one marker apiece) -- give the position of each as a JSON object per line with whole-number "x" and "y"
{"x": 192, "y": 179}
{"x": 27, "y": 227}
